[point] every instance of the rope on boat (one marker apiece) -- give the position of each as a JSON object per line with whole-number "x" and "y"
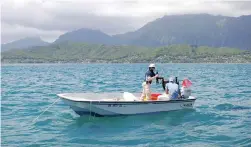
{"x": 94, "y": 115}
{"x": 45, "y": 110}
{"x": 90, "y": 108}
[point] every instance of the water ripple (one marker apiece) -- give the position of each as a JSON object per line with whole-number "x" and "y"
{"x": 221, "y": 116}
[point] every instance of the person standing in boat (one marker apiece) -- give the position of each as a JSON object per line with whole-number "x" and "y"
{"x": 146, "y": 85}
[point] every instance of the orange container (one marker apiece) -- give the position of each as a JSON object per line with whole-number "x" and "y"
{"x": 154, "y": 96}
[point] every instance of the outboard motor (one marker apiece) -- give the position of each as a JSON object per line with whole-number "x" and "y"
{"x": 176, "y": 80}
{"x": 157, "y": 79}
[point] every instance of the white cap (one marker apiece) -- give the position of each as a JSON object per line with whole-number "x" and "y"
{"x": 152, "y": 65}
{"x": 171, "y": 79}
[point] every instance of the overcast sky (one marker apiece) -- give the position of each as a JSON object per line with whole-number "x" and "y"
{"x": 51, "y": 18}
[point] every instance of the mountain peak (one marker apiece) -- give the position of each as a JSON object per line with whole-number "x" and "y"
{"x": 85, "y": 35}
{"x": 88, "y": 30}
{"x": 199, "y": 29}
{"x": 26, "y": 42}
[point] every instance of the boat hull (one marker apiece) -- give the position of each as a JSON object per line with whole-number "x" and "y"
{"x": 115, "y": 108}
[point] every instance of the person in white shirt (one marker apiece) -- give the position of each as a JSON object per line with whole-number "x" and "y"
{"x": 172, "y": 89}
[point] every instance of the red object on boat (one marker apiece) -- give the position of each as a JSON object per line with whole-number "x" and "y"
{"x": 154, "y": 96}
{"x": 186, "y": 83}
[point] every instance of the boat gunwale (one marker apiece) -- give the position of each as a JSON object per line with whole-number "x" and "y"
{"x": 129, "y": 102}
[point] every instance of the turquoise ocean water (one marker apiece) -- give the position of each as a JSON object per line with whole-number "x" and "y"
{"x": 221, "y": 117}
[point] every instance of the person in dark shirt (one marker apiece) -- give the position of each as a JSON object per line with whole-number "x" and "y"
{"x": 149, "y": 76}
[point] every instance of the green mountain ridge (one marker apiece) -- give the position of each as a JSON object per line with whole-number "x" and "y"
{"x": 69, "y": 52}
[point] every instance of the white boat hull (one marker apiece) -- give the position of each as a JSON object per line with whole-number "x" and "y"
{"x": 114, "y": 108}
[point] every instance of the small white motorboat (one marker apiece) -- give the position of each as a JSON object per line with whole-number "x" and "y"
{"x": 114, "y": 104}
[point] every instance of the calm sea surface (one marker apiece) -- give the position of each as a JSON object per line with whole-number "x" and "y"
{"x": 221, "y": 117}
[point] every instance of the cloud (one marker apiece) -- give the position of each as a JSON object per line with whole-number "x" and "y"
{"x": 50, "y": 18}
{"x": 16, "y": 32}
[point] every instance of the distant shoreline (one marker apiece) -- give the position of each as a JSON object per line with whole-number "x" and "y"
{"x": 95, "y": 54}
{"x": 6, "y": 64}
